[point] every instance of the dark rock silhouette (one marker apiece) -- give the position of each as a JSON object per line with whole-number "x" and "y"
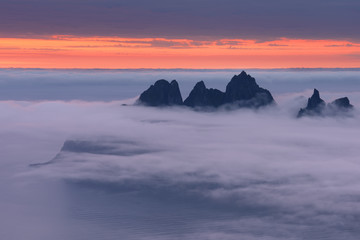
{"x": 200, "y": 96}
{"x": 244, "y": 92}
{"x": 340, "y": 107}
{"x": 241, "y": 91}
{"x": 315, "y": 106}
{"x": 162, "y": 93}
{"x": 342, "y": 103}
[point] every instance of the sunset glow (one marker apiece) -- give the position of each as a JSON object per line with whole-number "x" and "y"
{"x": 115, "y": 52}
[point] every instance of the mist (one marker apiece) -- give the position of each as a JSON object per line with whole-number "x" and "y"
{"x": 76, "y": 169}
{"x": 112, "y": 85}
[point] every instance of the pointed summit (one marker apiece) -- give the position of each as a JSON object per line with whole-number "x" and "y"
{"x": 241, "y": 91}
{"x": 315, "y": 105}
{"x": 315, "y": 102}
{"x": 244, "y": 90}
{"x": 243, "y": 74}
{"x": 162, "y": 93}
{"x": 199, "y": 87}
{"x": 200, "y": 96}
{"x": 316, "y": 93}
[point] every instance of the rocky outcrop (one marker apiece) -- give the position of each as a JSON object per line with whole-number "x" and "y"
{"x": 341, "y": 103}
{"x": 200, "y": 96}
{"x": 340, "y": 107}
{"x": 243, "y": 91}
{"x": 317, "y": 107}
{"x": 162, "y": 93}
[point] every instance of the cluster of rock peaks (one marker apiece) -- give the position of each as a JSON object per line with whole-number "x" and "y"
{"x": 241, "y": 91}
{"x": 317, "y": 107}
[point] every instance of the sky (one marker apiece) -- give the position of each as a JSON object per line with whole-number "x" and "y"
{"x": 179, "y": 34}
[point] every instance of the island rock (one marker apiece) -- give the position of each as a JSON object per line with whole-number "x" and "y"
{"x": 243, "y": 91}
{"x": 342, "y": 103}
{"x": 200, "y": 96}
{"x": 315, "y": 106}
{"x": 162, "y": 93}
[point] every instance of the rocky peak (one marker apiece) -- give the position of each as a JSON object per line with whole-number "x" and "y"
{"x": 200, "y": 86}
{"x": 243, "y": 89}
{"x": 162, "y": 93}
{"x": 315, "y": 105}
{"x": 200, "y": 96}
{"x": 315, "y": 102}
{"x": 343, "y": 103}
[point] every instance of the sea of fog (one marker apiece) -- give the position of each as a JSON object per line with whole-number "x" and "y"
{"x": 77, "y": 164}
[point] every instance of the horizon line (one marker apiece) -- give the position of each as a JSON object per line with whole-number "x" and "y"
{"x": 191, "y": 69}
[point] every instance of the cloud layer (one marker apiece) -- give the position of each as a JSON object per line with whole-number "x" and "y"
{"x": 147, "y": 173}
{"x": 268, "y": 169}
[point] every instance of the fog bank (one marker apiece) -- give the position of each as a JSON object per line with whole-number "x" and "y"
{"x": 148, "y": 173}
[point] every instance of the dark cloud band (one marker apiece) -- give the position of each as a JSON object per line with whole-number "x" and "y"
{"x": 209, "y": 19}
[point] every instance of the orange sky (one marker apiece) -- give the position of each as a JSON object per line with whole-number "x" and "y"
{"x": 113, "y": 52}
